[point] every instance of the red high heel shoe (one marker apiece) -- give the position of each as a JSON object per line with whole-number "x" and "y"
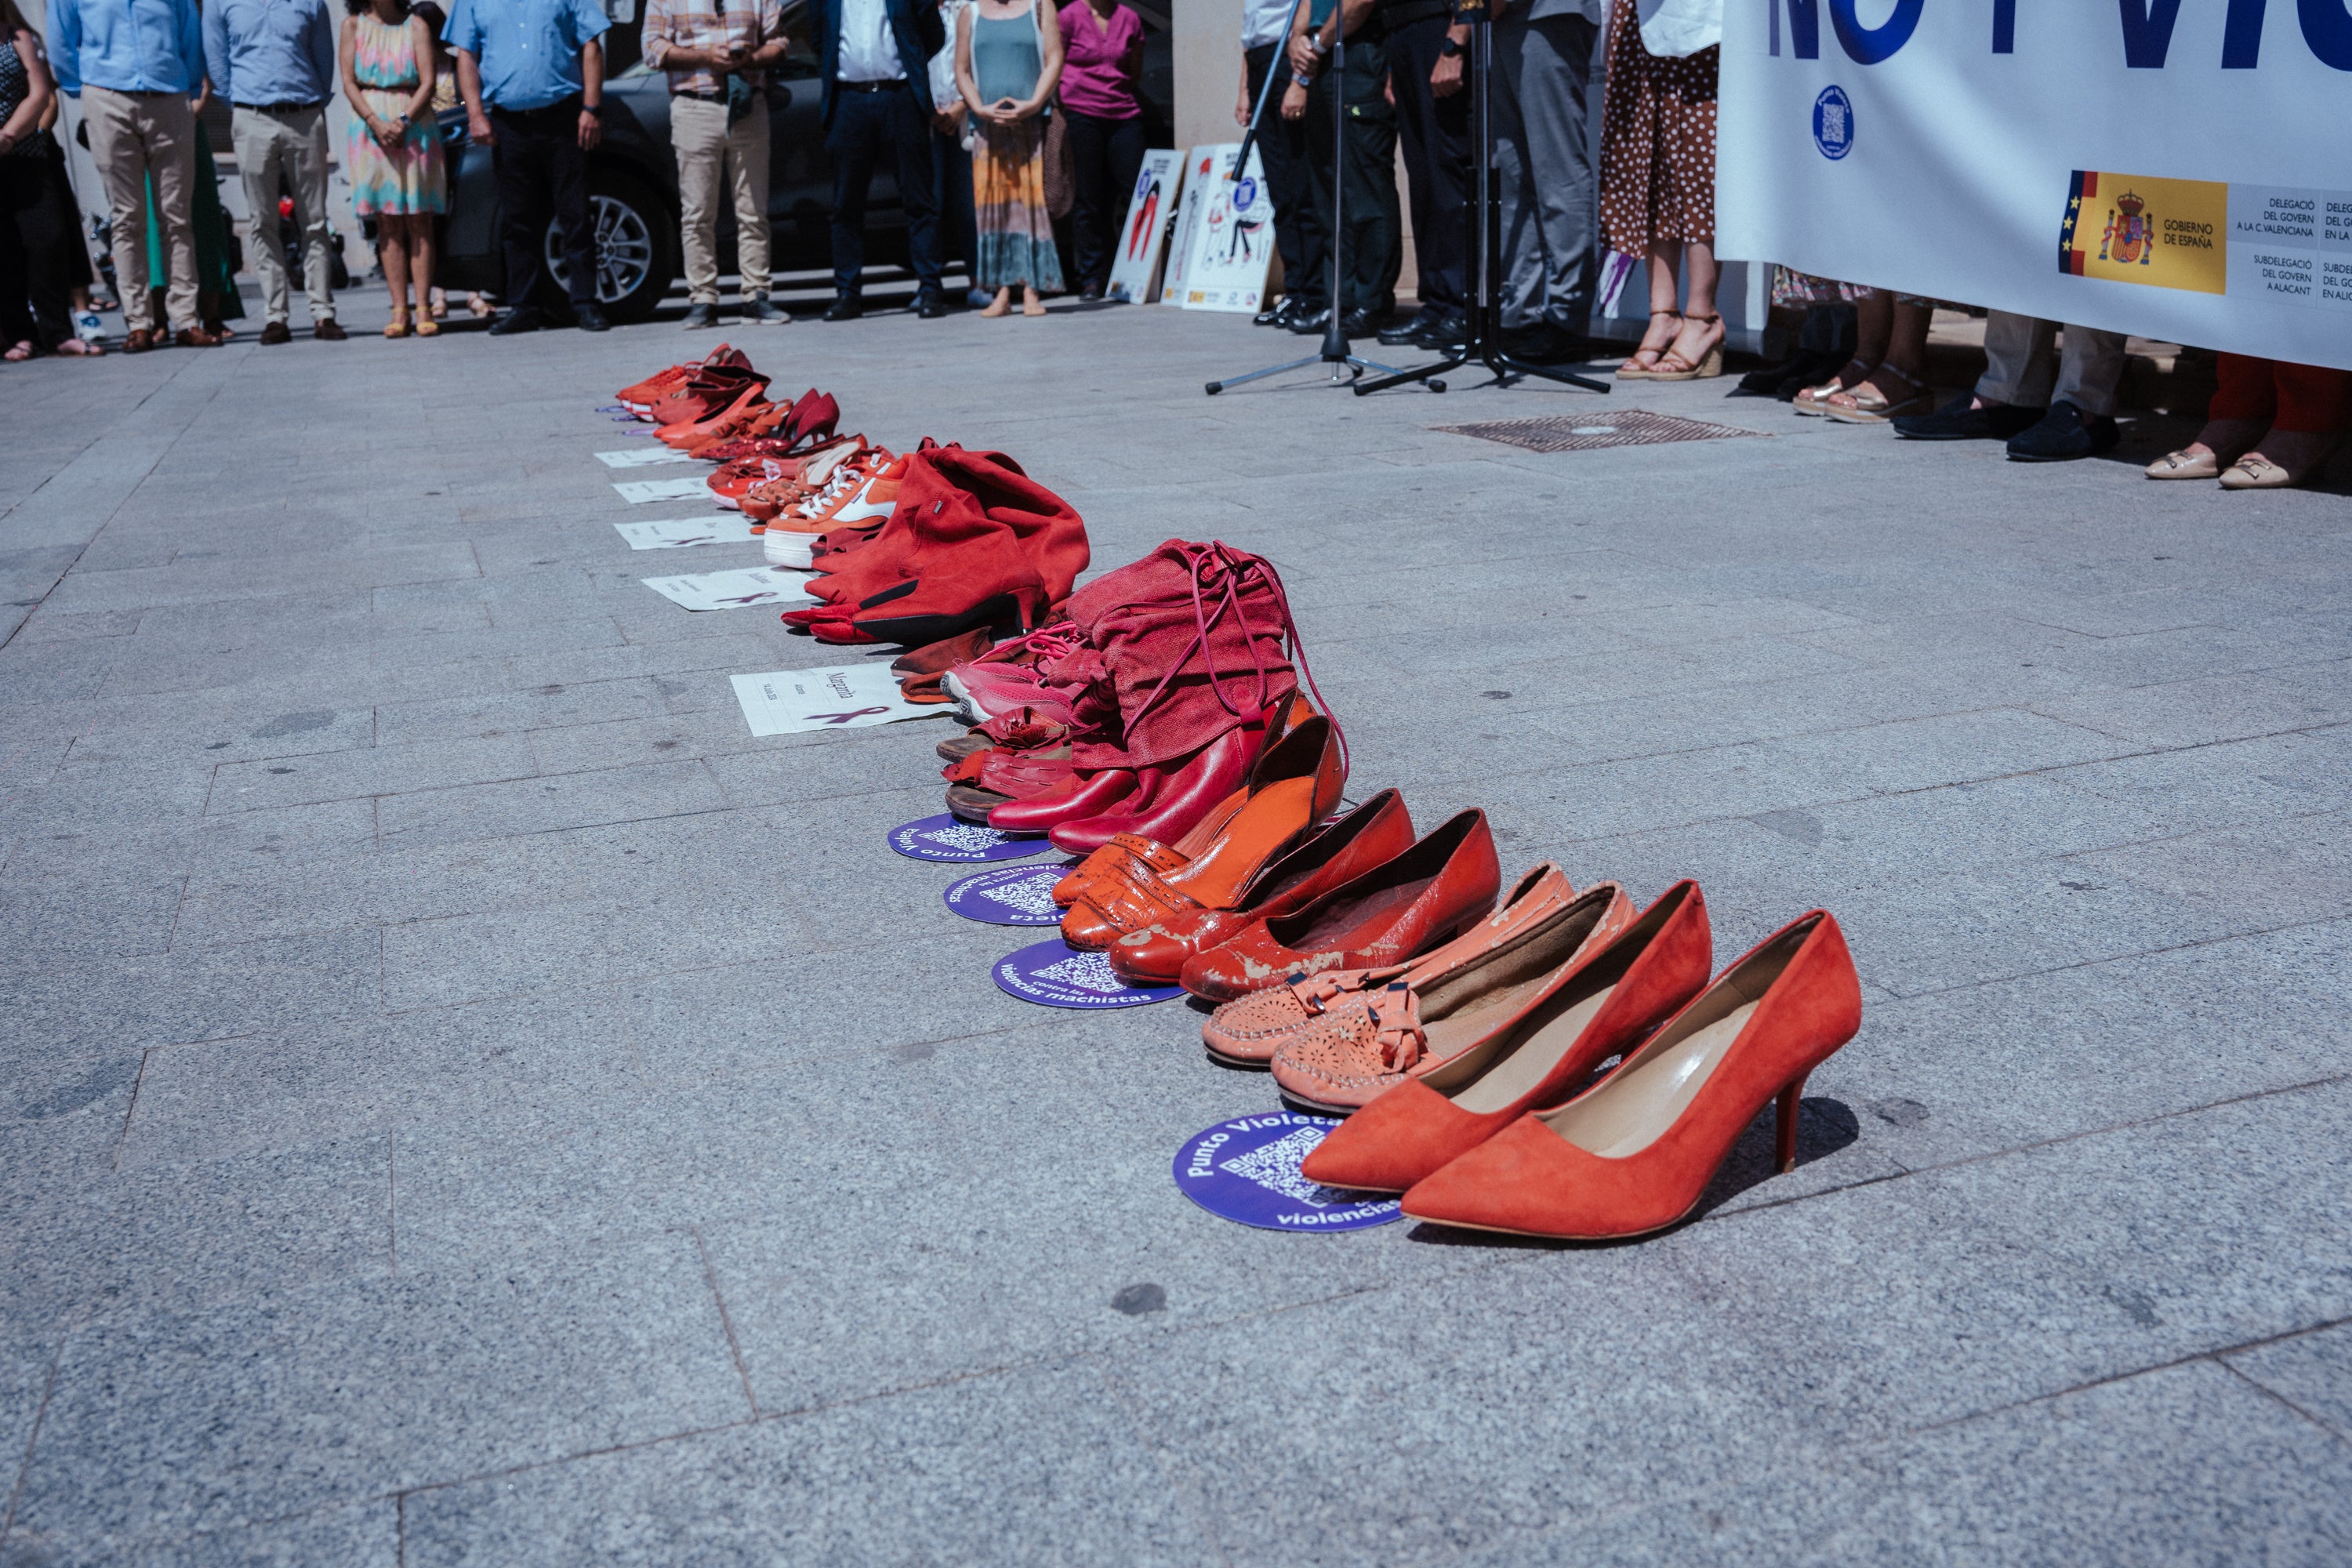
{"x": 1079, "y": 796}
{"x": 1635, "y": 1153}
{"x": 1603, "y": 1001}
{"x": 1391, "y": 913}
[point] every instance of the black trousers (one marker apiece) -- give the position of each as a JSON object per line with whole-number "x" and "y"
{"x": 1106, "y": 155}
{"x": 1299, "y": 237}
{"x": 951, "y": 192}
{"x": 542, "y": 178}
{"x": 867, "y": 127}
{"x": 1435, "y": 136}
{"x": 39, "y": 237}
{"x": 1369, "y": 236}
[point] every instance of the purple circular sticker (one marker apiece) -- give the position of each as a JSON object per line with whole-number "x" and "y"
{"x": 1055, "y": 974}
{"x": 944, "y": 838}
{"x": 1246, "y": 1170}
{"x": 1013, "y": 896}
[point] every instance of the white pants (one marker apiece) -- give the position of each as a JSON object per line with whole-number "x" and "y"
{"x": 132, "y": 135}
{"x": 711, "y": 152}
{"x": 275, "y": 148}
{"x": 2018, "y": 369}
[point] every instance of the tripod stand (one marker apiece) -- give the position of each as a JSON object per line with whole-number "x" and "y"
{"x": 1484, "y": 345}
{"x": 1334, "y": 352}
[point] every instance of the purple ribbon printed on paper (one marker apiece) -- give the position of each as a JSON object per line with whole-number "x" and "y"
{"x": 1011, "y": 896}
{"x": 1246, "y": 1170}
{"x": 945, "y": 839}
{"x": 1053, "y": 974}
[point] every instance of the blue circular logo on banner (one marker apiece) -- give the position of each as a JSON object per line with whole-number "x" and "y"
{"x": 1246, "y": 194}
{"x": 1246, "y": 1170}
{"x": 1833, "y": 122}
{"x": 943, "y": 838}
{"x": 1016, "y": 896}
{"x": 1054, "y": 975}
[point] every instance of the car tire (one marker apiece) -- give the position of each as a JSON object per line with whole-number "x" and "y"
{"x": 636, "y": 246}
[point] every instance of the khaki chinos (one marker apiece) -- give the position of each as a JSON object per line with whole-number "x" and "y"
{"x": 714, "y": 156}
{"x": 131, "y": 136}
{"x": 278, "y": 145}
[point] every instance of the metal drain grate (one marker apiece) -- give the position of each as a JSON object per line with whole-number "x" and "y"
{"x": 1583, "y": 433}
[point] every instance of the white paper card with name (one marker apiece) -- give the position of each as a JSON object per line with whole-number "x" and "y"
{"x": 644, "y": 458}
{"x": 676, "y": 533}
{"x": 733, "y": 590}
{"x": 637, "y": 492}
{"x": 850, "y": 696}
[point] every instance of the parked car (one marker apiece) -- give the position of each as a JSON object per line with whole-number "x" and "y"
{"x": 633, "y": 186}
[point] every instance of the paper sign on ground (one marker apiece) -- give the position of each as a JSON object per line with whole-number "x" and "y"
{"x": 1231, "y": 245}
{"x": 1199, "y": 165}
{"x": 637, "y": 492}
{"x": 733, "y": 590}
{"x": 849, "y": 697}
{"x": 676, "y": 533}
{"x": 644, "y": 458}
{"x": 1143, "y": 240}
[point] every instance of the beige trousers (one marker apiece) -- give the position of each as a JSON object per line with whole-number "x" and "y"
{"x": 710, "y": 149}
{"x": 275, "y": 148}
{"x": 132, "y": 135}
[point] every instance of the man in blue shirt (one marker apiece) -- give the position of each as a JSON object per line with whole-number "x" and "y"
{"x": 274, "y": 60}
{"x": 533, "y": 73}
{"x": 137, "y": 65}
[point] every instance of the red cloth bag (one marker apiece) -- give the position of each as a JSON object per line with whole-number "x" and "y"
{"x": 972, "y": 541}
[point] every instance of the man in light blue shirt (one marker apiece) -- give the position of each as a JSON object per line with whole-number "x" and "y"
{"x": 533, "y": 73}
{"x": 137, "y": 65}
{"x": 274, "y": 60}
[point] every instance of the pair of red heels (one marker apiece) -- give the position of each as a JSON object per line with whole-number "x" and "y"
{"x": 1487, "y": 1120}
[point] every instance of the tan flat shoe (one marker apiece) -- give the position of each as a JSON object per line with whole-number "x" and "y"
{"x": 2185, "y": 465}
{"x": 2255, "y": 472}
{"x": 1866, "y": 404}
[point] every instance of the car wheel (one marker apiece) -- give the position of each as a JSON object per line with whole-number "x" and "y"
{"x": 634, "y": 265}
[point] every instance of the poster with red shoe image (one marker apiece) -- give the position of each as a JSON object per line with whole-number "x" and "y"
{"x": 1143, "y": 238}
{"x": 1200, "y": 165}
{"x": 1231, "y": 248}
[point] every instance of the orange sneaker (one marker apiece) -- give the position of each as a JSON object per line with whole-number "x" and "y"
{"x": 861, "y": 489}
{"x": 766, "y": 500}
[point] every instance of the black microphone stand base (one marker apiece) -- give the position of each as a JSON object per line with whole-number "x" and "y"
{"x": 1334, "y": 353}
{"x": 1481, "y": 350}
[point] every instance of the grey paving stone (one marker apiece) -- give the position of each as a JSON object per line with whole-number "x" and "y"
{"x": 367, "y": 771}
{"x": 2312, "y": 1372}
{"x": 300, "y": 1399}
{"x": 538, "y": 805}
{"x": 366, "y": 1535}
{"x": 1038, "y": 1462}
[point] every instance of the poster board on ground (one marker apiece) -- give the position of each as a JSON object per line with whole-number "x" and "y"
{"x": 732, "y": 590}
{"x": 1143, "y": 238}
{"x": 845, "y": 697}
{"x": 1233, "y": 244}
{"x": 2173, "y": 171}
{"x": 1198, "y": 162}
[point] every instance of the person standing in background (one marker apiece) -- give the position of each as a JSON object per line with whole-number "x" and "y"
{"x": 1008, "y": 61}
{"x": 1101, "y": 71}
{"x": 1282, "y": 152}
{"x": 1543, "y": 165}
{"x": 533, "y": 75}
{"x": 394, "y": 156}
{"x": 444, "y": 98}
{"x": 138, "y": 67}
{"x": 37, "y": 214}
{"x": 718, "y": 53}
{"x": 1657, "y": 177}
{"x": 1370, "y": 256}
{"x": 878, "y": 102}
{"x": 1429, "y": 54}
{"x": 951, "y": 140}
{"x": 274, "y": 60}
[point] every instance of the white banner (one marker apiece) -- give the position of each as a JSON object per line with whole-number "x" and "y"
{"x": 2183, "y": 172}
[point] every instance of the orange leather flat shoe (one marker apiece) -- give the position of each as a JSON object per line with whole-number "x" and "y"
{"x": 1375, "y": 1039}
{"x": 645, "y": 393}
{"x": 1137, "y": 857}
{"x": 1635, "y": 1153}
{"x": 1603, "y": 1001}
{"x": 1248, "y": 1030}
{"x": 1372, "y": 835}
{"x": 687, "y": 435}
{"x": 1390, "y": 914}
{"x": 1271, "y": 823}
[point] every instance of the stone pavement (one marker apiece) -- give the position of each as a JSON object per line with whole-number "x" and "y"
{"x": 465, "y": 1100}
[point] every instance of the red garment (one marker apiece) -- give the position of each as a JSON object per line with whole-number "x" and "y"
{"x": 974, "y": 541}
{"x": 2306, "y": 399}
{"x": 1191, "y": 641}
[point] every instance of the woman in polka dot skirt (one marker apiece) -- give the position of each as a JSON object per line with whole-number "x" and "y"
{"x": 1657, "y": 177}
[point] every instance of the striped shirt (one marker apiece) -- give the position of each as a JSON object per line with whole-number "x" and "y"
{"x": 710, "y": 24}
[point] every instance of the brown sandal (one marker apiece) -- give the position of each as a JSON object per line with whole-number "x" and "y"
{"x": 1634, "y": 369}
{"x": 1673, "y": 366}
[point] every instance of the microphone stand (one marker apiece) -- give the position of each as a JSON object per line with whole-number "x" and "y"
{"x": 1345, "y": 366}
{"x": 1483, "y": 345}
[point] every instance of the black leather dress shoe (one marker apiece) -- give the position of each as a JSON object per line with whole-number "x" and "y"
{"x": 525, "y": 319}
{"x": 2063, "y": 434}
{"x": 845, "y": 308}
{"x": 1272, "y": 315}
{"x": 1448, "y": 331}
{"x": 1091, "y": 294}
{"x": 1956, "y": 421}
{"x": 1405, "y": 333}
{"x": 1363, "y": 323}
{"x": 929, "y": 305}
{"x": 589, "y": 318}
{"x": 1310, "y": 323}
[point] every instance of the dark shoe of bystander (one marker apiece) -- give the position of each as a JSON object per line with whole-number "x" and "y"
{"x": 698, "y": 316}
{"x": 522, "y": 319}
{"x": 845, "y": 308}
{"x": 276, "y": 333}
{"x": 2063, "y": 434}
{"x": 589, "y": 318}
{"x": 1959, "y": 421}
{"x": 326, "y": 330}
{"x": 929, "y": 305}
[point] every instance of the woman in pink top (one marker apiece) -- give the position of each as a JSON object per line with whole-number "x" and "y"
{"x": 1099, "y": 76}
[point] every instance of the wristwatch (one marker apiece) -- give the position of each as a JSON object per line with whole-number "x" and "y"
{"x": 595, "y": 109}
{"x": 1451, "y": 47}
